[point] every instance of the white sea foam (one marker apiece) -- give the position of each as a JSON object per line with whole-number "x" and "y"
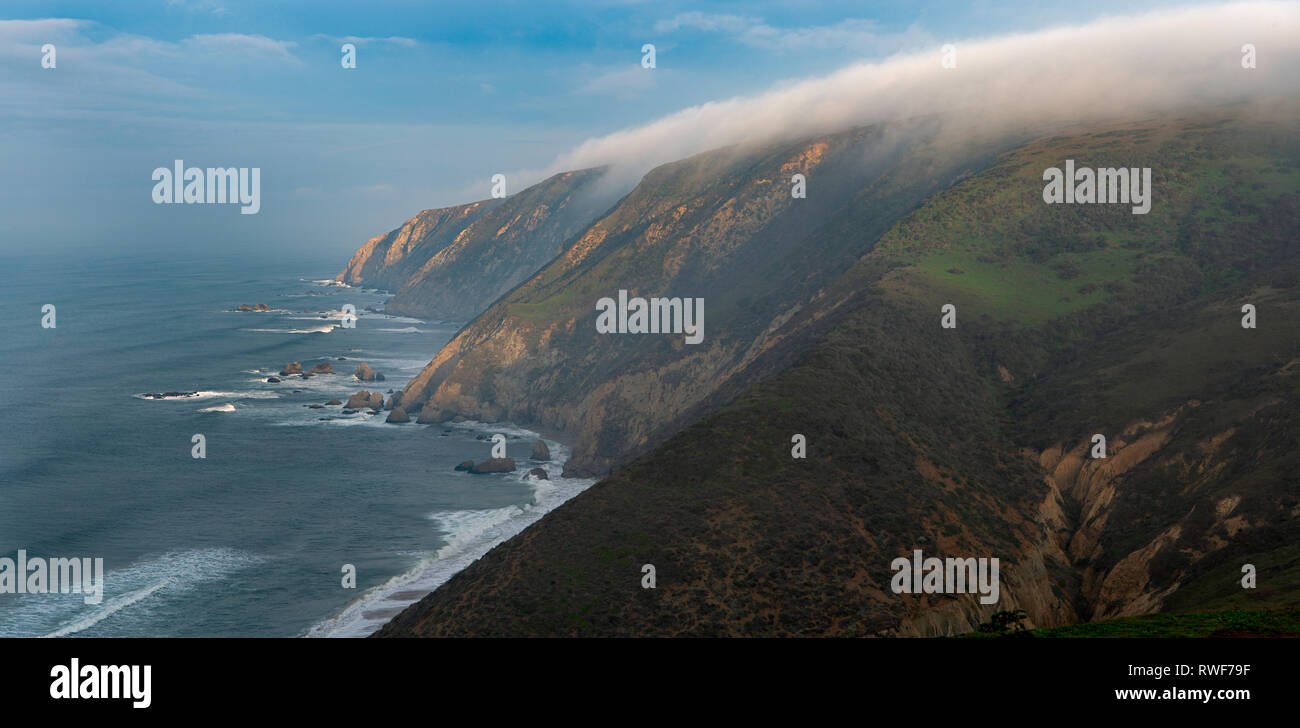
{"x": 127, "y": 591}
{"x": 110, "y": 608}
{"x": 251, "y": 394}
{"x": 406, "y": 330}
{"x": 363, "y": 417}
{"x": 468, "y": 536}
{"x": 227, "y": 407}
{"x": 325, "y": 329}
{"x": 510, "y": 430}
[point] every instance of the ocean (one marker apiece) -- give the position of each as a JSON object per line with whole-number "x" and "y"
{"x": 251, "y": 540}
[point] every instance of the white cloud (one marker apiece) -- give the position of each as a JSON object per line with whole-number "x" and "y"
{"x": 44, "y": 28}
{"x": 244, "y": 44}
{"x": 117, "y": 75}
{"x": 1120, "y": 67}
{"x": 852, "y": 34}
{"x": 357, "y": 40}
{"x": 713, "y": 22}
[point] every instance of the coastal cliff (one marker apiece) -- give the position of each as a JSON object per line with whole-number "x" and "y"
{"x": 971, "y": 441}
{"x": 450, "y": 263}
{"x": 725, "y": 227}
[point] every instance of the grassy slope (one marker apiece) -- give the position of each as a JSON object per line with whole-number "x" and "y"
{"x": 1109, "y": 318}
{"x": 1102, "y": 318}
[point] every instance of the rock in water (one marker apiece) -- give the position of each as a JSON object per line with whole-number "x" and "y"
{"x": 467, "y": 465}
{"x": 398, "y": 415}
{"x": 261, "y": 307}
{"x": 244, "y": 307}
{"x": 538, "y": 473}
{"x": 292, "y": 367}
{"x": 334, "y": 401}
{"x": 324, "y": 368}
{"x": 364, "y": 373}
{"x": 394, "y": 401}
{"x": 541, "y": 451}
{"x": 273, "y": 380}
{"x": 359, "y": 400}
{"x": 494, "y": 465}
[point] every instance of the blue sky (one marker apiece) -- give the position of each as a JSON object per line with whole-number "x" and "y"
{"x": 444, "y": 96}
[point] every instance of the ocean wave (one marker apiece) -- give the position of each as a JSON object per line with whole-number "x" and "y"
{"x": 509, "y": 430}
{"x": 332, "y": 417}
{"x": 313, "y": 330}
{"x": 407, "y": 330}
{"x": 170, "y": 396}
{"x": 327, "y": 315}
{"x": 111, "y": 607}
{"x": 172, "y": 574}
{"x": 227, "y": 407}
{"x": 468, "y": 535}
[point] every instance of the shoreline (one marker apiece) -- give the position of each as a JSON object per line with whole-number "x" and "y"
{"x": 469, "y": 535}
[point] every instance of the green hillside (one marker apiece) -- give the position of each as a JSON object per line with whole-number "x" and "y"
{"x": 1073, "y": 320}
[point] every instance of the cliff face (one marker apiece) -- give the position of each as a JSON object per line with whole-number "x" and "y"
{"x": 968, "y": 442}
{"x": 452, "y": 262}
{"x": 722, "y": 226}
{"x": 747, "y": 540}
{"x": 389, "y": 260}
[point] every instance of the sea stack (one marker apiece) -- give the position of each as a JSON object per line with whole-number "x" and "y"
{"x": 364, "y": 399}
{"x": 541, "y": 451}
{"x": 494, "y": 465}
{"x": 397, "y": 416}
